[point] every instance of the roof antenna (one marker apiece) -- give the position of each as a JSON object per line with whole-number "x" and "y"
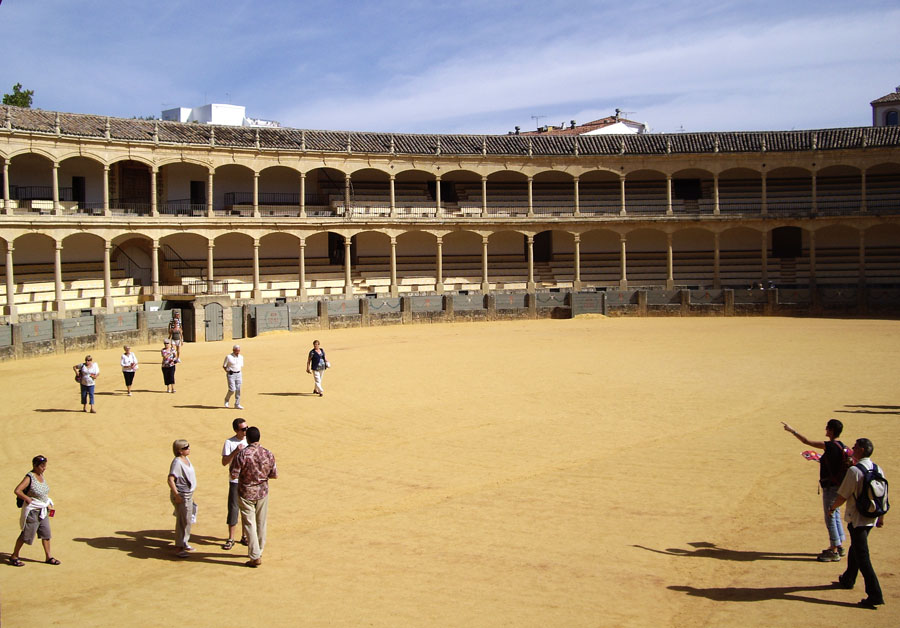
{"x": 537, "y": 120}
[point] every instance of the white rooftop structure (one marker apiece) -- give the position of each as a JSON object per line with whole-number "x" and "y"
{"x": 216, "y": 113}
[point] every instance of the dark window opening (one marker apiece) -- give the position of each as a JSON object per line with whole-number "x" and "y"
{"x": 891, "y": 118}
{"x": 687, "y": 189}
{"x": 787, "y": 242}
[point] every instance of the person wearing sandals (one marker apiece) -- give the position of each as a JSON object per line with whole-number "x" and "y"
{"x": 831, "y": 474}
{"x": 316, "y": 364}
{"x": 37, "y": 507}
{"x": 182, "y": 483}
{"x": 129, "y": 364}
{"x": 169, "y": 360}
{"x": 229, "y": 450}
{"x": 86, "y": 375}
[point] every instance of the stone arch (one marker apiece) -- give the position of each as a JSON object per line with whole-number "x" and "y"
{"x": 31, "y": 181}
{"x": 883, "y": 187}
{"x": 693, "y": 191}
{"x": 740, "y": 252}
{"x": 740, "y": 191}
{"x": 693, "y": 253}
{"x": 838, "y": 189}
{"x": 645, "y": 192}
{"x": 788, "y": 190}
{"x": 233, "y": 189}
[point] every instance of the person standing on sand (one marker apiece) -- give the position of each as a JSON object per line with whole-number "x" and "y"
{"x": 176, "y": 332}
{"x": 169, "y": 361}
{"x": 253, "y": 467}
{"x": 129, "y": 364}
{"x": 182, "y": 480}
{"x": 858, "y": 559}
{"x": 831, "y": 474}
{"x": 233, "y": 365}
{"x": 34, "y": 493}
{"x": 230, "y": 449}
{"x": 316, "y": 364}
{"x": 87, "y": 373}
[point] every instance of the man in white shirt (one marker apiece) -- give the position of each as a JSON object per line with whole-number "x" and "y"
{"x": 233, "y": 365}
{"x": 229, "y": 450}
{"x": 859, "y": 525}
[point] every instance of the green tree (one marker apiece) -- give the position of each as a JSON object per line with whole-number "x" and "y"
{"x": 18, "y": 98}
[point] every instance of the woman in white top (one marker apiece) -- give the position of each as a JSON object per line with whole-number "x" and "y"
{"x": 182, "y": 482}
{"x": 129, "y": 366}
{"x": 86, "y": 374}
{"x": 34, "y": 495}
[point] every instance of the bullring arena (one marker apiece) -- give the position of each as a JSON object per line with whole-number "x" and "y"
{"x": 548, "y": 469}
{"x": 585, "y": 472}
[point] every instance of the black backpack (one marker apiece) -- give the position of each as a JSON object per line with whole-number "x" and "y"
{"x": 19, "y": 501}
{"x": 872, "y": 500}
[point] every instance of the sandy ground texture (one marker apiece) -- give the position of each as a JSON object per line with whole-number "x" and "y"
{"x": 587, "y": 472}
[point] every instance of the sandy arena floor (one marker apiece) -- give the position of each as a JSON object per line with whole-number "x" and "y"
{"x": 592, "y": 472}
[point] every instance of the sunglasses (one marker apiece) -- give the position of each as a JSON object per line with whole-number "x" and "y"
{"x": 185, "y": 447}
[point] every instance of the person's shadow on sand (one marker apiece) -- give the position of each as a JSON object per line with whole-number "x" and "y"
{"x": 157, "y": 544}
{"x": 748, "y": 594}
{"x": 710, "y": 550}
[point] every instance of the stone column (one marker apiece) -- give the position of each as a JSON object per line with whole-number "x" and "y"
{"x": 577, "y": 211}
{"x": 107, "y": 279}
{"x": 154, "y": 270}
{"x": 862, "y": 257}
{"x": 256, "y": 195}
{"x": 530, "y": 285}
{"x": 623, "y": 276}
{"x": 717, "y": 282}
{"x": 764, "y": 205}
{"x": 257, "y": 293}
{"x": 716, "y": 209}
{"x": 57, "y": 208}
{"x": 812, "y": 259}
{"x": 347, "y": 210}
{"x": 764, "y": 253}
{"x": 106, "y": 209}
{"x": 669, "y": 211}
{"x": 670, "y": 265}
{"x": 485, "y": 285}
{"x": 301, "y": 290}
{"x": 484, "y": 211}
{"x": 303, "y": 195}
{"x": 394, "y": 289}
{"x": 577, "y": 283}
{"x": 210, "y": 272}
{"x": 437, "y": 195}
{"x": 622, "y": 194}
{"x": 7, "y": 206}
{"x": 210, "y": 211}
{"x": 348, "y": 279}
{"x": 530, "y": 196}
{"x": 57, "y": 280}
{"x": 10, "y": 285}
{"x": 391, "y": 183}
{"x": 154, "y": 201}
{"x": 439, "y": 279}
{"x": 815, "y": 200}
{"x": 862, "y": 193}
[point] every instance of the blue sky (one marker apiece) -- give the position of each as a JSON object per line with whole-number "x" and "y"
{"x": 463, "y": 66}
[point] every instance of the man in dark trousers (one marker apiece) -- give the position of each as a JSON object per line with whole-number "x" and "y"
{"x": 831, "y": 474}
{"x": 253, "y": 467}
{"x": 858, "y": 560}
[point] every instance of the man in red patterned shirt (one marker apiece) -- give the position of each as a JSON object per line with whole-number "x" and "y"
{"x": 253, "y": 467}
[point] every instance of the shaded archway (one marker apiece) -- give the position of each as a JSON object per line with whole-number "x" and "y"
{"x": 645, "y": 192}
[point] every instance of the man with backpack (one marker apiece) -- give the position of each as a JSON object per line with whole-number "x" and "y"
{"x": 864, "y": 490}
{"x": 833, "y": 465}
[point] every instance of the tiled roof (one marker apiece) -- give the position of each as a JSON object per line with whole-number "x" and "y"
{"x": 892, "y": 97}
{"x": 581, "y": 128}
{"x": 122, "y": 129}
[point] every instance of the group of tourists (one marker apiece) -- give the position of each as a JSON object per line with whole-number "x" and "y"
{"x": 849, "y": 478}
{"x": 87, "y": 372}
{"x": 251, "y": 466}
